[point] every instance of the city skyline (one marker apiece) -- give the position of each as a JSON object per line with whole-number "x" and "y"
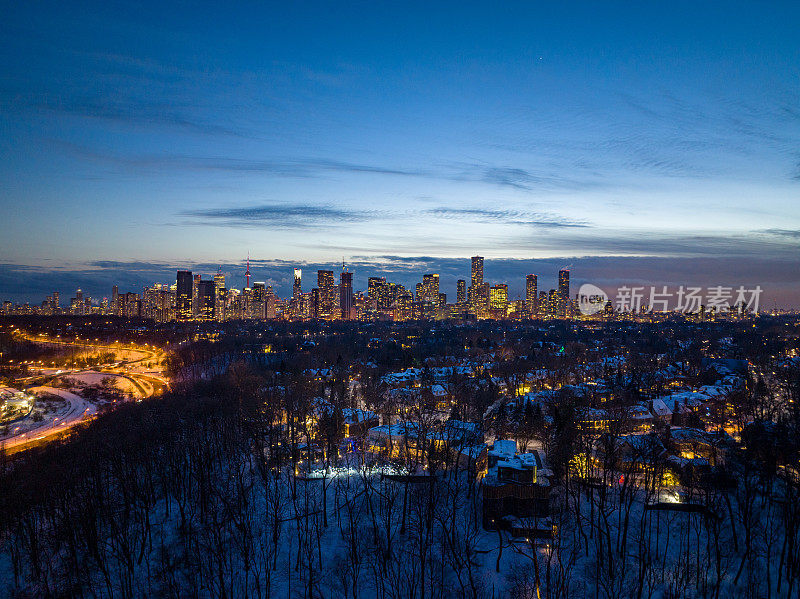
{"x": 407, "y": 271}
{"x": 396, "y": 137}
{"x": 193, "y": 298}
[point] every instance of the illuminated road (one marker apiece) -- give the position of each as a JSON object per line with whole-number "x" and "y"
{"x": 149, "y": 382}
{"x": 139, "y": 353}
{"x": 146, "y": 381}
{"x": 79, "y": 410}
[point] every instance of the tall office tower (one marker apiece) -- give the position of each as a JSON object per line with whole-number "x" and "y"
{"x": 552, "y": 302}
{"x": 326, "y": 304}
{"x": 418, "y": 292}
{"x": 563, "y": 291}
{"x": 247, "y": 272}
{"x": 393, "y": 291}
{"x": 56, "y": 303}
{"x": 346, "y": 294}
{"x": 219, "y": 295}
{"x": 430, "y": 288}
{"x": 461, "y": 291}
{"x": 314, "y": 311}
{"x": 195, "y": 300}
{"x": 246, "y": 302}
{"x": 531, "y": 294}
{"x": 206, "y": 297}
{"x": 403, "y": 306}
{"x": 477, "y": 271}
{"x": 271, "y": 305}
{"x": 376, "y": 291}
{"x": 478, "y": 293}
{"x": 170, "y": 295}
{"x": 259, "y": 304}
{"x": 130, "y": 305}
{"x": 150, "y": 302}
{"x": 297, "y": 288}
{"x": 233, "y": 304}
{"x": 158, "y": 303}
{"x": 306, "y": 306}
{"x": 498, "y": 297}
{"x": 183, "y": 300}
{"x": 78, "y": 304}
{"x": 114, "y": 298}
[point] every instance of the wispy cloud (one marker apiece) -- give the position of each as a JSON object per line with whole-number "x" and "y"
{"x": 130, "y": 265}
{"x": 517, "y": 217}
{"x": 285, "y": 216}
{"x": 314, "y": 167}
{"x": 528, "y": 180}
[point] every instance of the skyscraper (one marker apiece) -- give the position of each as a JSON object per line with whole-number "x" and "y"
{"x": 219, "y": 296}
{"x": 346, "y": 294}
{"x": 531, "y": 294}
{"x": 563, "y": 291}
{"x": 195, "y": 300}
{"x": 478, "y": 293}
{"x": 247, "y": 272}
{"x": 477, "y": 271}
{"x": 259, "y": 304}
{"x": 498, "y": 297}
{"x": 461, "y": 291}
{"x": 541, "y": 305}
{"x": 206, "y": 296}
{"x": 377, "y": 292}
{"x": 246, "y": 300}
{"x": 297, "y": 288}
{"x": 271, "y": 304}
{"x": 183, "y": 304}
{"x": 403, "y": 309}
{"x": 326, "y": 303}
{"x": 430, "y": 288}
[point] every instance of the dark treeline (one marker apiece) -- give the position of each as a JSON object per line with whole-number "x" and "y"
{"x": 197, "y": 494}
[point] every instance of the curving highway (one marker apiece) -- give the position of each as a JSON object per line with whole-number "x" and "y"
{"x": 146, "y": 382}
{"x": 78, "y": 410}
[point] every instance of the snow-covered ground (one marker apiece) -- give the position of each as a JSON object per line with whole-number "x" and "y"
{"x": 96, "y": 378}
{"x": 72, "y": 410}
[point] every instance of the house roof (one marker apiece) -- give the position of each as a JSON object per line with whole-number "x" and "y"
{"x": 660, "y": 408}
{"x": 504, "y": 447}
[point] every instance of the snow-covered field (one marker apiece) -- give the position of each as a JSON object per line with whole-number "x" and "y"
{"x": 96, "y": 378}
{"x": 57, "y": 416}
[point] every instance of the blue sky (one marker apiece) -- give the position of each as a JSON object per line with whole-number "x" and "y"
{"x": 653, "y": 141}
